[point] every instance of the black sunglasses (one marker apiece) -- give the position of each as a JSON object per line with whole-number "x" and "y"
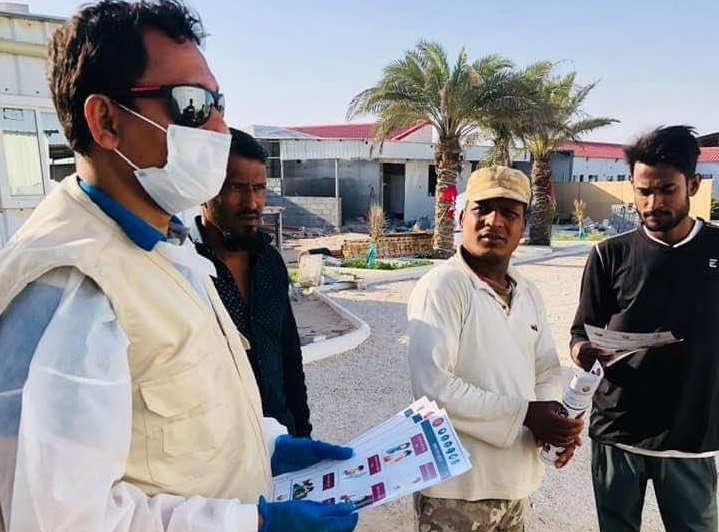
{"x": 190, "y": 105}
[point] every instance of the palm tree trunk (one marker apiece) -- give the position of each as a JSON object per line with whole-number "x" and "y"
{"x": 447, "y": 157}
{"x": 501, "y": 145}
{"x": 540, "y": 219}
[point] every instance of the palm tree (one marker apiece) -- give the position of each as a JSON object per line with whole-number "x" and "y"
{"x": 424, "y": 86}
{"x": 555, "y": 118}
{"x": 505, "y": 121}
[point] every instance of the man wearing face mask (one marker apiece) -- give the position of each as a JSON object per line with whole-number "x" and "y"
{"x": 126, "y": 400}
{"x": 252, "y": 281}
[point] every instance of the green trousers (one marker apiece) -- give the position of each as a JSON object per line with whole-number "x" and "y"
{"x": 686, "y": 490}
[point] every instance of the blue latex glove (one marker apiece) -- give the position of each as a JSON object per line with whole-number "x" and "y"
{"x": 306, "y": 516}
{"x": 292, "y": 454}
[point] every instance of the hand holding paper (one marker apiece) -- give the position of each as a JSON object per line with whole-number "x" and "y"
{"x": 623, "y": 344}
{"x": 292, "y": 454}
{"x": 589, "y": 354}
{"x": 413, "y": 450}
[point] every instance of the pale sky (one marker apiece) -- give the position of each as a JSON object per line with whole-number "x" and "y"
{"x": 284, "y": 62}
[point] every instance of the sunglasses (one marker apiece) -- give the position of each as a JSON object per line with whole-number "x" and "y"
{"x": 190, "y": 105}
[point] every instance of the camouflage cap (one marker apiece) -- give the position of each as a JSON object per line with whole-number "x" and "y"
{"x": 498, "y": 182}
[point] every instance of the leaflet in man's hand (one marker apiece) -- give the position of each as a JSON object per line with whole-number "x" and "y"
{"x": 407, "y": 453}
{"x": 627, "y": 343}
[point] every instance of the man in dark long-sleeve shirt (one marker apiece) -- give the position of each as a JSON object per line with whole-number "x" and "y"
{"x": 656, "y": 414}
{"x": 252, "y": 281}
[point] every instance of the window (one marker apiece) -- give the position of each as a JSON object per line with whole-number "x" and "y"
{"x": 22, "y": 151}
{"x": 274, "y": 165}
{"x": 592, "y": 178}
{"x": 431, "y": 179}
{"x": 273, "y": 169}
{"x": 61, "y": 158}
{"x": 621, "y": 177}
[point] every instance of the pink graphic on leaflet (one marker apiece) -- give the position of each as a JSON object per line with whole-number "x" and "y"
{"x": 378, "y": 492}
{"x": 428, "y": 471}
{"x": 374, "y": 464}
{"x": 418, "y": 444}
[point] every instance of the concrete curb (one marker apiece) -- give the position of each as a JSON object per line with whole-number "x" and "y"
{"x": 390, "y": 276}
{"x": 578, "y": 249}
{"x": 416, "y": 273}
{"x": 334, "y": 346}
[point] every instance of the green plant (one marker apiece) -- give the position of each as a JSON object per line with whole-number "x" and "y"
{"x": 294, "y": 275}
{"x": 384, "y": 265}
{"x": 594, "y": 237}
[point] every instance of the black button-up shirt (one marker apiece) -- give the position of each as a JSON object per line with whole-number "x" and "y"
{"x": 268, "y": 323}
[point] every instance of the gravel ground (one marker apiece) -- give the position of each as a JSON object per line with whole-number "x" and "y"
{"x": 317, "y": 320}
{"x": 352, "y": 392}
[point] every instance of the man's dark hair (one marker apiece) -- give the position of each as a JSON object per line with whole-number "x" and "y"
{"x": 245, "y": 145}
{"x": 675, "y": 146}
{"x": 100, "y": 50}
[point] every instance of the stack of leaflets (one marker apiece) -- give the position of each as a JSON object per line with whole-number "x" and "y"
{"x": 413, "y": 450}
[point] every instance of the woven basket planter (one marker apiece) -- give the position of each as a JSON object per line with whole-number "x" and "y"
{"x": 390, "y": 245}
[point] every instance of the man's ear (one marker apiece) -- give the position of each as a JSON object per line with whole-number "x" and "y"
{"x": 102, "y": 117}
{"x": 693, "y": 184}
{"x": 461, "y": 218}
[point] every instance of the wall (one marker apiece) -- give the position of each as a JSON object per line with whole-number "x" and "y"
{"x": 604, "y": 169}
{"x": 10, "y": 221}
{"x": 309, "y": 178}
{"x": 24, "y": 75}
{"x": 360, "y": 185}
{"x": 599, "y": 198}
{"x": 710, "y": 169}
{"x": 561, "y": 164}
{"x": 359, "y": 182}
{"x": 417, "y": 202}
{"x": 325, "y": 213}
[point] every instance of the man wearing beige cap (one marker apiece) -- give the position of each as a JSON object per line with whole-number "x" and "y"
{"x": 480, "y": 345}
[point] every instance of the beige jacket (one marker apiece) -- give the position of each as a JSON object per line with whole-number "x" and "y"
{"x": 197, "y": 423}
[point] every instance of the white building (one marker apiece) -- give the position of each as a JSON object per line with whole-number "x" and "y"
{"x": 33, "y": 150}
{"x": 603, "y": 161}
{"x": 329, "y": 175}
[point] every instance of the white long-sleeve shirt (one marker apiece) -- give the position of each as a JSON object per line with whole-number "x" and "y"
{"x": 66, "y": 415}
{"x": 483, "y": 361}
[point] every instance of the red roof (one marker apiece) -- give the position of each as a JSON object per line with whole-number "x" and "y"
{"x": 709, "y": 155}
{"x": 595, "y": 150}
{"x": 608, "y": 150}
{"x": 355, "y": 131}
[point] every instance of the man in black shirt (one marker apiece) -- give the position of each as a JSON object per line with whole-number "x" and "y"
{"x": 656, "y": 413}
{"x": 252, "y": 281}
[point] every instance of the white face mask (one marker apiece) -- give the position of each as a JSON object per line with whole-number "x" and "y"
{"x": 195, "y": 170}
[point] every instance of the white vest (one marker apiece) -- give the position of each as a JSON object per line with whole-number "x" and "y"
{"x": 197, "y": 416}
